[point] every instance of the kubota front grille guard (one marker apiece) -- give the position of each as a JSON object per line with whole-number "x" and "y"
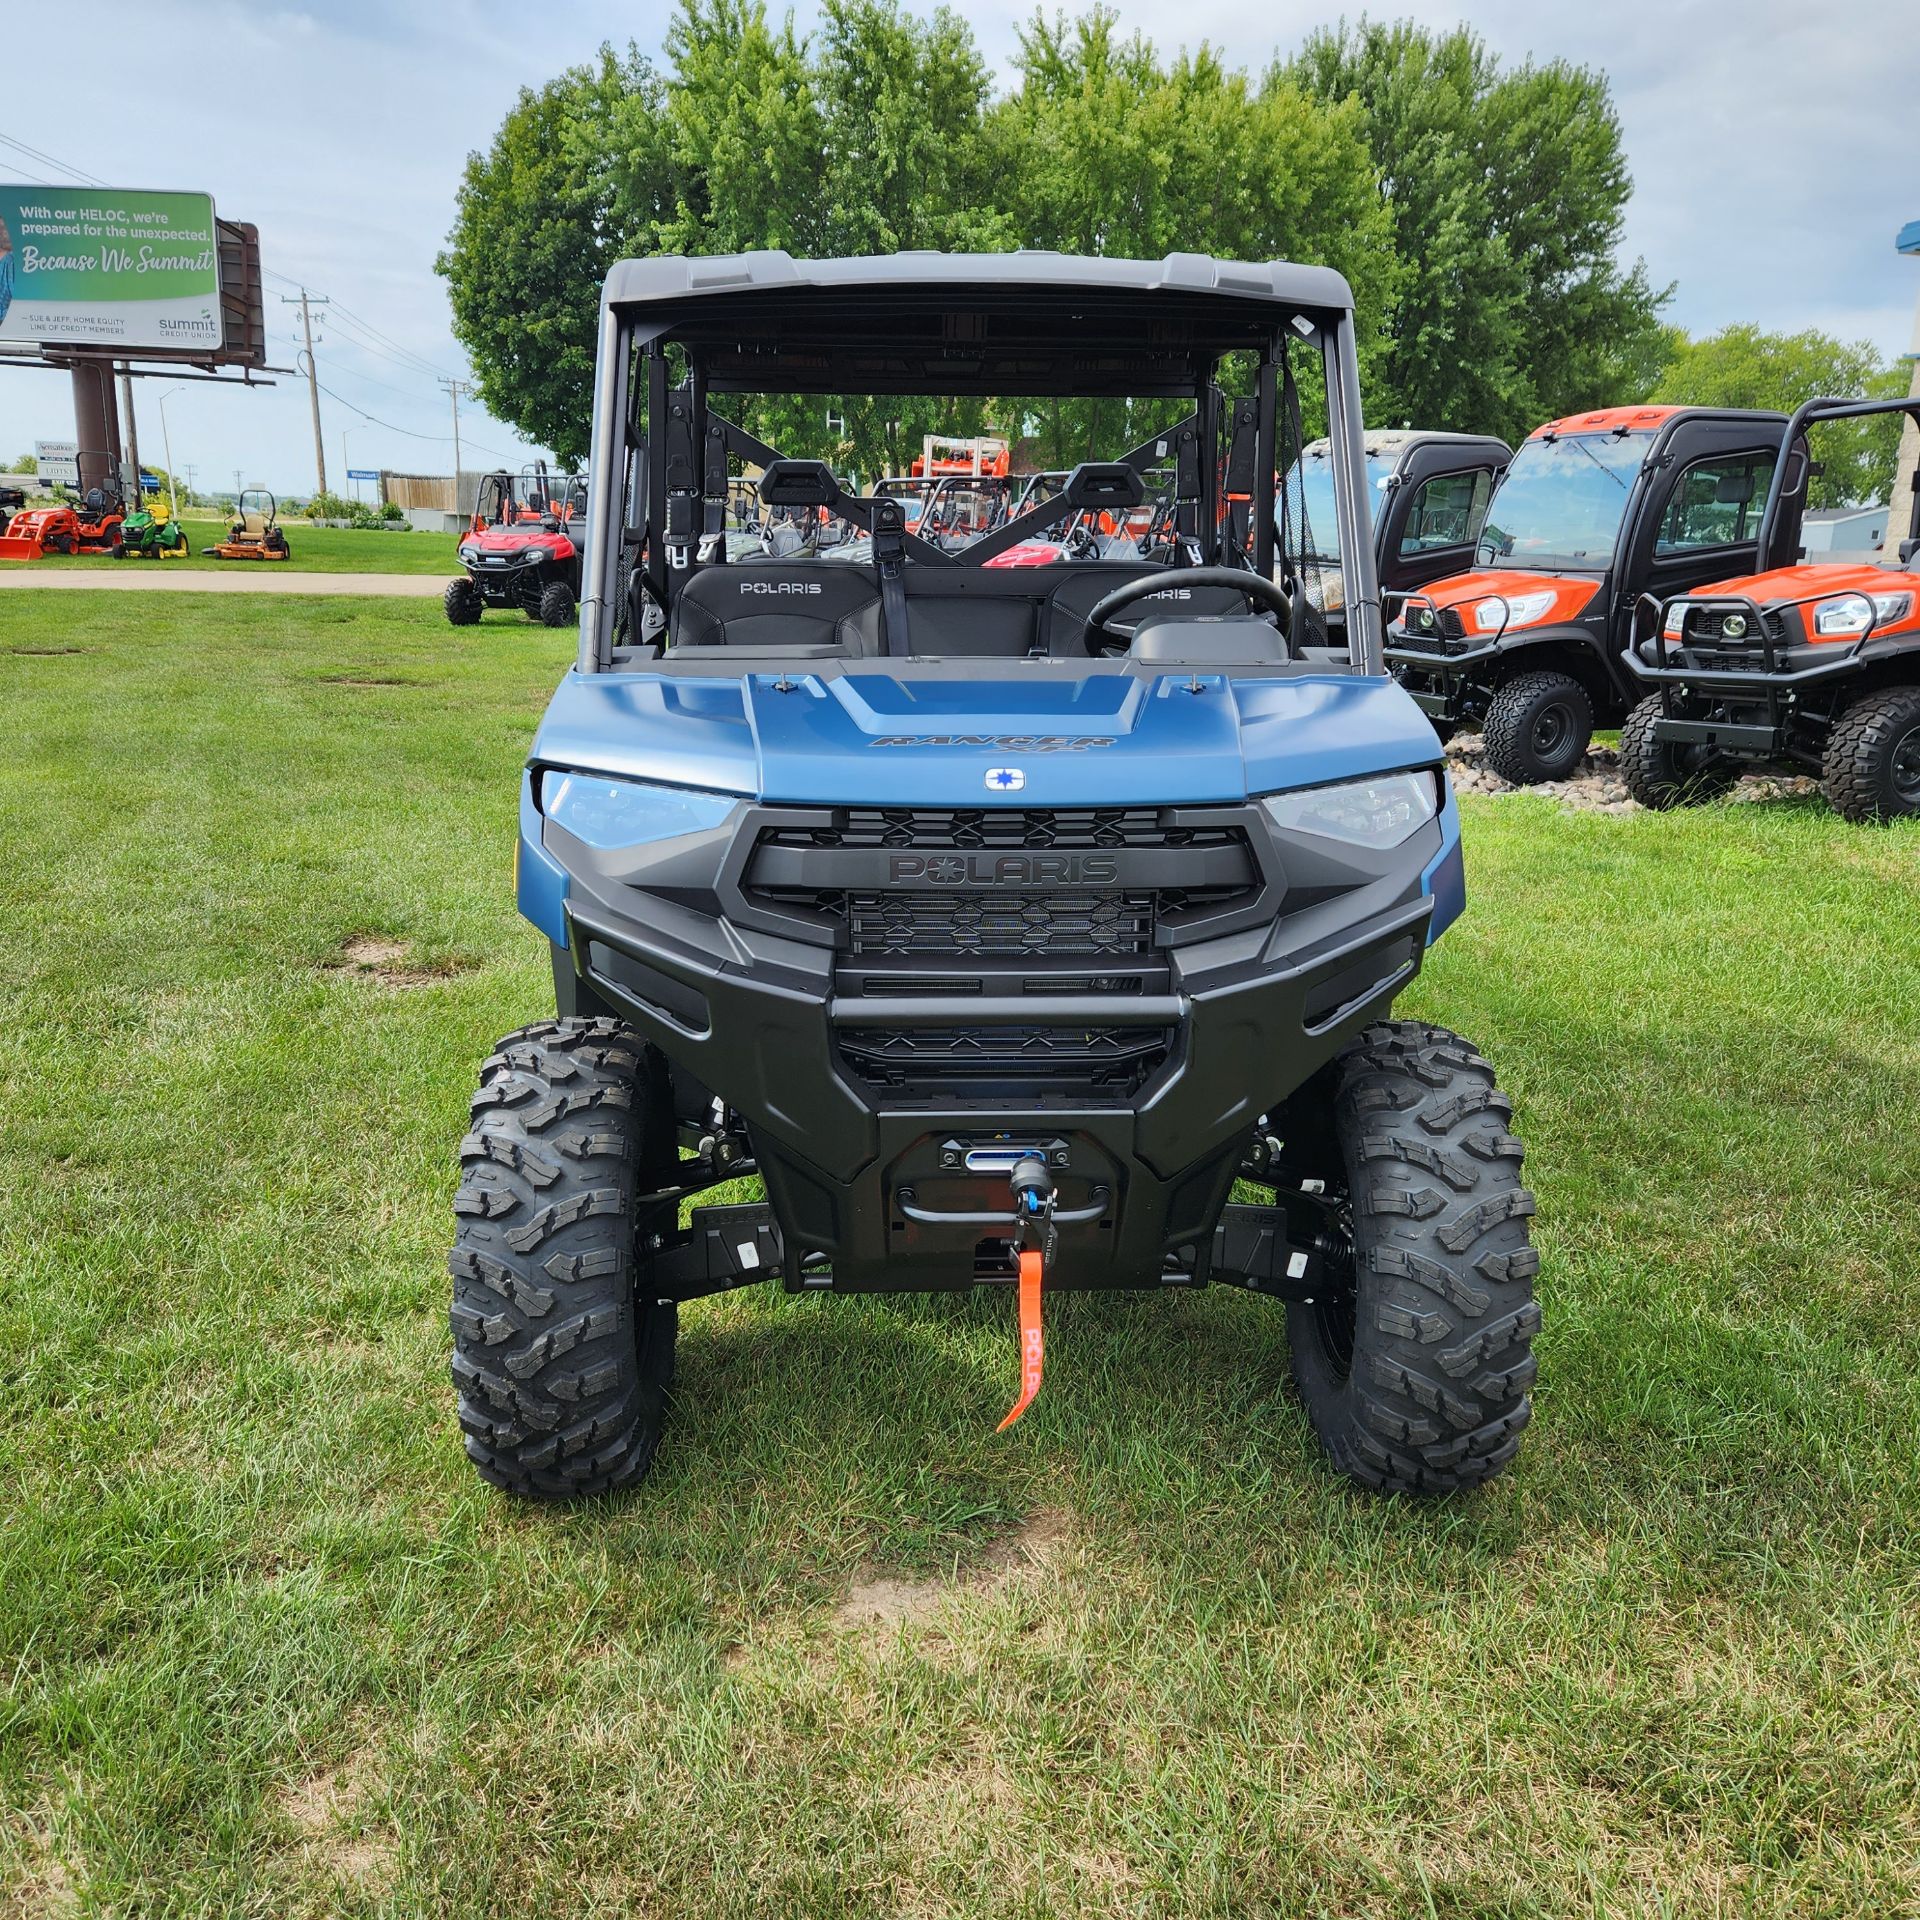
{"x": 1488, "y": 641}
{"x": 1773, "y": 663}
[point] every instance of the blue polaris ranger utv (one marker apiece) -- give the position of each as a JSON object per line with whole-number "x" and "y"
{"x": 1018, "y": 926}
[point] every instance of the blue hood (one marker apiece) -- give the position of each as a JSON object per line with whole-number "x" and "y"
{"x": 879, "y": 739}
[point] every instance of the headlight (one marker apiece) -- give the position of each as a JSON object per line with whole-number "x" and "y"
{"x": 1676, "y": 621}
{"x": 1521, "y": 611}
{"x": 532, "y": 556}
{"x": 1381, "y": 812}
{"x": 468, "y": 553}
{"x": 1852, "y": 613}
{"x": 610, "y": 814}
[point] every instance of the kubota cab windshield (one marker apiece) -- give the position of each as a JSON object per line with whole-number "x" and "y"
{"x": 1562, "y": 501}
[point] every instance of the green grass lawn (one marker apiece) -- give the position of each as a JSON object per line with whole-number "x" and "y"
{"x": 270, "y": 1649}
{"x": 314, "y": 550}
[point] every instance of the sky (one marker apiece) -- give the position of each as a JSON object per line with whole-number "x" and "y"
{"x": 1771, "y": 150}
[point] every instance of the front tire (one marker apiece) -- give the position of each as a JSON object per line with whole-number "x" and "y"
{"x": 1662, "y": 774}
{"x": 1415, "y": 1365}
{"x": 1538, "y": 728}
{"x": 462, "y": 602}
{"x": 556, "y": 604}
{"x": 561, "y": 1354}
{"x": 1871, "y": 768}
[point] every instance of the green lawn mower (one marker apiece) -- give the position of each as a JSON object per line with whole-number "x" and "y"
{"x": 153, "y": 536}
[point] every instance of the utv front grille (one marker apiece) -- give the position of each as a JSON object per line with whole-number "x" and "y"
{"x": 920, "y": 829}
{"x": 1101, "y": 1065}
{"x": 1013, "y": 903}
{"x": 998, "y": 923}
{"x": 1707, "y": 627}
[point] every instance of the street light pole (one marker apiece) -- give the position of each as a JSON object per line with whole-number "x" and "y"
{"x": 166, "y": 441}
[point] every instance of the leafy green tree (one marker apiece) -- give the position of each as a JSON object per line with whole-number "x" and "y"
{"x": 1104, "y": 148}
{"x": 532, "y": 240}
{"x": 1506, "y": 192}
{"x": 1741, "y": 366}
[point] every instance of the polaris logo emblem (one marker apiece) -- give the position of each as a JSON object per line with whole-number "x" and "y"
{"x": 1172, "y": 593}
{"x": 1004, "y": 869}
{"x": 781, "y": 586}
{"x": 1005, "y": 779}
{"x": 1006, "y": 742}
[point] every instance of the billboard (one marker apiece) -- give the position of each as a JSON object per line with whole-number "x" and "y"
{"x": 95, "y": 267}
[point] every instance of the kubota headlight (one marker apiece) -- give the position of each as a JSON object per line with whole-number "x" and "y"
{"x": 1520, "y": 611}
{"x": 610, "y": 814}
{"x": 1851, "y": 613}
{"x": 1380, "y": 812}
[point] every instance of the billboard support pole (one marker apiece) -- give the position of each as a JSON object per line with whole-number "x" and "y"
{"x": 95, "y": 425}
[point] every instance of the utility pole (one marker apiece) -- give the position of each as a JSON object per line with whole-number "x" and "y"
{"x": 306, "y": 303}
{"x": 455, "y": 388}
{"x": 133, "y": 431}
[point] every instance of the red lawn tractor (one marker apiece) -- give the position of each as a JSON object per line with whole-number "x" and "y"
{"x": 91, "y": 526}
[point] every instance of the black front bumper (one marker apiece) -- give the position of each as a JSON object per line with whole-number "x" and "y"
{"x": 1166, "y": 1055}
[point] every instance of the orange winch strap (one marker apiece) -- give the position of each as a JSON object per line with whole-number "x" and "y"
{"x": 1033, "y": 1347}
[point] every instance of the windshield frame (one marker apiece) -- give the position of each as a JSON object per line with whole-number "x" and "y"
{"x": 1030, "y": 308}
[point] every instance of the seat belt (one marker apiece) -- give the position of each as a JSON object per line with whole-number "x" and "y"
{"x": 888, "y": 530}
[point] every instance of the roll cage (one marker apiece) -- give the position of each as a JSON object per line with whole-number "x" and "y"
{"x": 676, "y": 333}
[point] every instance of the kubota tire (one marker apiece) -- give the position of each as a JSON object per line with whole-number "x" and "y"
{"x": 556, "y": 604}
{"x": 1538, "y": 728}
{"x": 1663, "y": 774}
{"x": 1871, "y": 768}
{"x": 462, "y": 602}
{"x": 562, "y": 1354}
{"x": 1415, "y": 1365}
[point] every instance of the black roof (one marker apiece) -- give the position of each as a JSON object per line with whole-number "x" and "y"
{"x": 999, "y": 323}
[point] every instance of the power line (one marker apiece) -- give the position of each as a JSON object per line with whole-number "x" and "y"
{"x": 439, "y": 439}
{"x": 47, "y": 159}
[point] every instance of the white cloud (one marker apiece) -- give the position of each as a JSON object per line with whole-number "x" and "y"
{"x": 1770, "y": 149}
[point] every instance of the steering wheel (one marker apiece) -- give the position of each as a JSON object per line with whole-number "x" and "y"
{"x": 1258, "y": 589}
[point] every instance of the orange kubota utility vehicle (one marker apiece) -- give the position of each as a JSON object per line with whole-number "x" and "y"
{"x": 255, "y": 533}
{"x": 1596, "y": 510}
{"x": 1794, "y": 668}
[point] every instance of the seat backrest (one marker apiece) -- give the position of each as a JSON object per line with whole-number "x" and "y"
{"x": 810, "y": 603}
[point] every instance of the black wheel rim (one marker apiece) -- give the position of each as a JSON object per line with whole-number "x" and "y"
{"x": 1552, "y": 726}
{"x": 1904, "y": 767}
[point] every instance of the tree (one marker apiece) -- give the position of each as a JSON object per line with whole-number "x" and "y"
{"x": 532, "y": 240}
{"x": 1741, "y": 366}
{"x": 1102, "y": 148}
{"x": 1506, "y": 193}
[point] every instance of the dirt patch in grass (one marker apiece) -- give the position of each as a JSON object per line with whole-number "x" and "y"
{"x": 51, "y": 653}
{"x": 385, "y": 962}
{"x": 1597, "y": 786}
{"x": 365, "y": 680}
{"x": 880, "y": 1603}
{"x": 41, "y": 1881}
{"x": 324, "y": 1809}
